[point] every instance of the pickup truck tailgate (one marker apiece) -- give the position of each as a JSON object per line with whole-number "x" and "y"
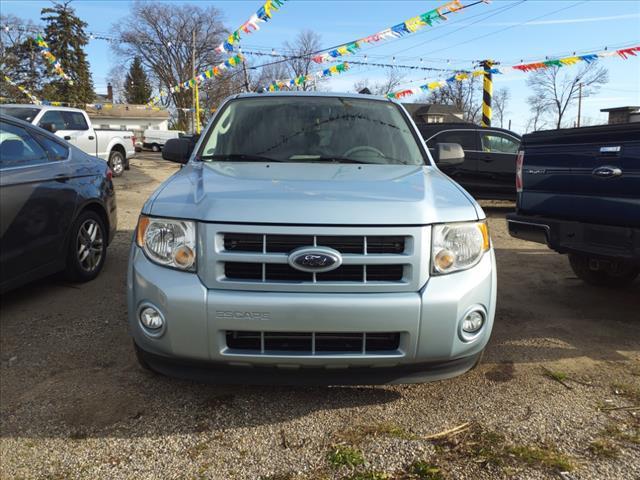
{"x": 587, "y": 174}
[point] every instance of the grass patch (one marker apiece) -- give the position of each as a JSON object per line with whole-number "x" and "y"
{"x": 557, "y": 376}
{"x": 492, "y": 447}
{"x": 345, "y": 456}
{"x": 604, "y": 448}
{"x": 422, "y": 470}
{"x": 546, "y": 457}
{"x": 614, "y": 432}
{"x": 369, "y": 476}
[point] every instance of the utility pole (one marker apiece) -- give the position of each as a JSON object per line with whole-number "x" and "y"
{"x": 487, "y": 91}
{"x": 196, "y": 100}
{"x": 579, "y": 102}
{"x": 246, "y": 77}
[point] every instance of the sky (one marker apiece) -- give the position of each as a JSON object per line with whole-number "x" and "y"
{"x": 508, "y": 31}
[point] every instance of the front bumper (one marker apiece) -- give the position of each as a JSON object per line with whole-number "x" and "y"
{"x": 566, "y": 236}
{"x": 194, "y": 342}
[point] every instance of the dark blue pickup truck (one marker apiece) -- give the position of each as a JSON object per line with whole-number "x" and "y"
{"x": 578, "y": 191}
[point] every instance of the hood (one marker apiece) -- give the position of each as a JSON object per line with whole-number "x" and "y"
{"x": 306, "y": 193}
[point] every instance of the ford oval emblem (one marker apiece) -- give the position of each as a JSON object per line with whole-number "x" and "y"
{"x": 315, "y": 259}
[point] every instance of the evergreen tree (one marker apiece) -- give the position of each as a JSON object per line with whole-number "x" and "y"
{"x": 137, "y": 88}
{"x": 65, "y": 34}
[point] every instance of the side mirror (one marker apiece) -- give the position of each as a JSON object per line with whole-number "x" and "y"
{"x": 177, "y": 150}
{"x": 448, "y": 154}
{"x": 51, "y": 127}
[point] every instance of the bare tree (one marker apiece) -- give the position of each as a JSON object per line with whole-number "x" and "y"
{"x": 306, "y": 43}
{"x": 465, "y": 95}
{"x": 499, "y": 104}
{"x": 162, "y": 38}
{"x": 261, "y": 78}
{"x": 392, "y": 80}
{"x": 20, "y": 58}
{"x": 539, "y": 108}
{"x": 559, "y": 87}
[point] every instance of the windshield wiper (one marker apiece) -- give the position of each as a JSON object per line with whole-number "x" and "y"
{"x": 238, "y": 157}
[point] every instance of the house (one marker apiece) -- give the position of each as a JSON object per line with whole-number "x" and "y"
{"x": 125, "y": 116}
{"x": 623, "y": 114}
{"x": 434, "y": 113}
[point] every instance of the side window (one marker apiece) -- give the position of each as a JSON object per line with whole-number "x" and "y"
{"x": 54, "y": 117}
{"x": 465, "y": 138}
{"x": 18, "y": 148}
{"x": 75, "y": 121}
{"x": 497, "y": 143}
{"x": 55, "y": 150}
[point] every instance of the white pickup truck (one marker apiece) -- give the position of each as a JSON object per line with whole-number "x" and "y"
{"x": 74, "y": 125}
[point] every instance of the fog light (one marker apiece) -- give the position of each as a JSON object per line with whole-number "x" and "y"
{"x": 473, "y": 322}
{"x": 151, "y": 318}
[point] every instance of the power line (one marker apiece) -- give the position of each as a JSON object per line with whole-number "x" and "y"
{"x": 509, "y": 27}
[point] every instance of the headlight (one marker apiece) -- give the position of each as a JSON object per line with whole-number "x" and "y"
{"x": 458, "y": 246}
{"x": 171, "y": 243}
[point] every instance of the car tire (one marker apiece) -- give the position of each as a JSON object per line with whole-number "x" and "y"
{"x": 87, "y": 248}
{"x": 607, "y": 274}
{"x": 116, "y": 162}
{"x": 155, "y": 147}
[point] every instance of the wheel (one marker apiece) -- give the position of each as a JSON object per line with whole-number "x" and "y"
{"x": 155, "y": 147}
{"x": 116, "y": 162}
{"x": 603, "y": 273}
{"x": 87, "y": 248}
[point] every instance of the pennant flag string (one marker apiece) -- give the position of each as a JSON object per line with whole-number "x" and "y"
{"x": 22, "y": 89}
{"x": 623, "y": 53}
{"x": 412, "y": 25}
{"x": 278, "y": 85}
{"x": 51, "y": 58}
{"x": 262, "y": 15}
{"x": 212, "y": 72}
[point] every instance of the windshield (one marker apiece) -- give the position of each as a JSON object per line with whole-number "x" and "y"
{"x": 312, "y": 129}
{"x": 26, "y": 114}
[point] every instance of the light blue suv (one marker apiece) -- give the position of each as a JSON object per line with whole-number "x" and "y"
{"x": 310, "y": 238}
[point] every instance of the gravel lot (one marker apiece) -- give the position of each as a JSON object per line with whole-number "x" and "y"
{"x": 558, "y": 390}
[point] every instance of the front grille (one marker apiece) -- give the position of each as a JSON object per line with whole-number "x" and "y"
{"x": 264, "y": 258}
{"x": 282, "y": 272}
{"x": 380, "y": 244}
{"x": 313, "y": 343}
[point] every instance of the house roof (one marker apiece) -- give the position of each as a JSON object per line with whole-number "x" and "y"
{"x": 125, "y": 110}
{"x": 420, "y": 109}
{"x": 621, "y": 109}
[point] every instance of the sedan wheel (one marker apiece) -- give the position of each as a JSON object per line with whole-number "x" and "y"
{"x": 89, "y": 245}
{"x": 116, "y": 163}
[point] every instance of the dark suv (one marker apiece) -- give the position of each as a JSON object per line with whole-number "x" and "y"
{"x": 489, "y": 167}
